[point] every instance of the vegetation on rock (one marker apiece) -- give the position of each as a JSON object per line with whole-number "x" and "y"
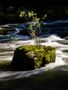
{"x": 29, "y": 57}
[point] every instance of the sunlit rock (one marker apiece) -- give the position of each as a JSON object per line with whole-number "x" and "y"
{"x": 29, "y": 57}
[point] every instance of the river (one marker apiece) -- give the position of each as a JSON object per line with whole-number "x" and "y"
{"x": 53, "y": 76}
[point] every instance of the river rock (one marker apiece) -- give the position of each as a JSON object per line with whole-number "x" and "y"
{"x": 29, "y": 57}
{"x": 6, "y": 29}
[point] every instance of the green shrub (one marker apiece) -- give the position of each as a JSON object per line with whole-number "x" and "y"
{"x": 28, "y": 16}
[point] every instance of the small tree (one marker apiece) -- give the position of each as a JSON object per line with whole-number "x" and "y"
{"x": 34, "y": 31}
{"x": 33, "y": 26}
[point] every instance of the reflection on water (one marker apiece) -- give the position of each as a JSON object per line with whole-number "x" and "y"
{"x": 53, "y": 76}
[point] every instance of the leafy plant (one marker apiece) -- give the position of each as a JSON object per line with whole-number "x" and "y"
{"x": 33, "y": 26}
{"x": 28, "y": 15}
{"x": 34, "y": 31}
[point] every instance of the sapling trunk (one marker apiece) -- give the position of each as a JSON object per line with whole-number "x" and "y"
{"x": 34, "y": 31}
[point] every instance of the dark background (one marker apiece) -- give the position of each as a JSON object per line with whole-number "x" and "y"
{"x": 34, "y": 3}
{"x": 53, "y": 8}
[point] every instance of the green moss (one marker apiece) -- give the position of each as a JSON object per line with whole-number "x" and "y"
{"x": 40, "y": 55}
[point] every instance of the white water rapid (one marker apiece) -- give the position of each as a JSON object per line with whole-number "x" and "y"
{"x": 60, "y": 66}
{"x": 49, "y": 41}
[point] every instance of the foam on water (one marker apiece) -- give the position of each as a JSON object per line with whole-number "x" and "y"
{"x": 50, "y": 40}
{"x": 53, "y": 37}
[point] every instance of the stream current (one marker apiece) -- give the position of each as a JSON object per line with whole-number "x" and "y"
{"x": 53, "y": 76}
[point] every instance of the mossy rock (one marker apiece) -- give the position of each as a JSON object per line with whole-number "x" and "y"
{"x": 6, "y": 30}
{"x": 28, "y": 57}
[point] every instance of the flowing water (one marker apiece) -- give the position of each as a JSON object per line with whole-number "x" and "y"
{"x": 53, "y": 76}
